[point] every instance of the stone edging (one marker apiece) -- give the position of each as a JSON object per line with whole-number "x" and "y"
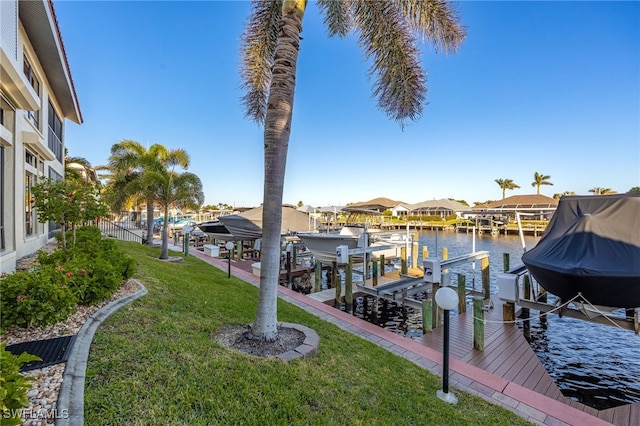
{"x": 308, "y": 348}
{"x": 70, "y": 405}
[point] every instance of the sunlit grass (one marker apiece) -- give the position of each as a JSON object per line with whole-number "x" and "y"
{"x": 155, "y": 363}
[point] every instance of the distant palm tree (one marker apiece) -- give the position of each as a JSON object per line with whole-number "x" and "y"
{"x": 602, "y": 191}
{"x": 539, "y": 179}
{"x": 79, "y": 168}
{"x": 505, "y": 184}
{"x": 129, "y": 162}
{"x": 388, "y": 31}
{"x": 182, "y": 190}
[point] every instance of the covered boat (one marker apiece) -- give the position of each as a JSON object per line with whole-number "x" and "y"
{"x": 215, "y": 229}
{"x": 248, "y": 225}
{"x": 592, "y": 247}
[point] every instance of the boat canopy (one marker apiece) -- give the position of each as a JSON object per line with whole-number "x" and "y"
{"x": 248, "y": 225}
{"x": 592, "y": 247}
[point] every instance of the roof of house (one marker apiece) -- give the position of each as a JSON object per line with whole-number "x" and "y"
{"x": 379, "y": 203}
{"x": 515, "y": 202}
{"x": 442, "y": 204}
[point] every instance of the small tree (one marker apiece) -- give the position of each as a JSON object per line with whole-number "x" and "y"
{"x": 67, "y": 202}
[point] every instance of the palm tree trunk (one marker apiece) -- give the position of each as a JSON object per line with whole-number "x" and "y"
{"x": 164, "y": 253}
{"x": 150, "y": 221}
{"x": 276, "y": 142}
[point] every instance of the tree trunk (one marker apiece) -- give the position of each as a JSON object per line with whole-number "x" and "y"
{"x": 164, "y": 254}
{"x": 276, "y": 142}
{"x": 149, "y": 221}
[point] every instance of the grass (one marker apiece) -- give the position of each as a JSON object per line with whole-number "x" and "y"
{"x": 154, "y": 362}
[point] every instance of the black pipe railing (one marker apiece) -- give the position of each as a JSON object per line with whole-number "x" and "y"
{"x": 122, "y": 231}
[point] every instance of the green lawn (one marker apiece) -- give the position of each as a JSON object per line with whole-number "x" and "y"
{"x": 154, "y": 363}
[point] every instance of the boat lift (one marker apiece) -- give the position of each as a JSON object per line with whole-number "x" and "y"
{"x": 435, "y": 275}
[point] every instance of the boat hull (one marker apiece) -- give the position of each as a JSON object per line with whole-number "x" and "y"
{"x": 323, "y": 246}
{"x": 622, "y": 292}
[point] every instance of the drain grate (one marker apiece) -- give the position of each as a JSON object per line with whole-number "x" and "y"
{"x": 52, "y": 351}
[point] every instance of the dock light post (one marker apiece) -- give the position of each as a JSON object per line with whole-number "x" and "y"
{"x": 229, "y": 246}
{"x": 447, "y": 299}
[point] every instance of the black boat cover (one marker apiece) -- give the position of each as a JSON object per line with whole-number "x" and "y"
{"x": 592, "y": 247}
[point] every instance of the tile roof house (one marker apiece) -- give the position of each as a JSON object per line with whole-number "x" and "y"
{"x": 36, "y": 96}
{"x": 535, "y": 205}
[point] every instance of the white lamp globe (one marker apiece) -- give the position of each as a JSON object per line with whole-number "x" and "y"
{"x": 447, "y": 298}
{"x": 229, "y": 245}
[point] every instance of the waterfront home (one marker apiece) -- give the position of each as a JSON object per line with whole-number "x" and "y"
{"x": 535, "y": 206}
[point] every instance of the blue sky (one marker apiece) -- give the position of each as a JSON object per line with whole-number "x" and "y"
{"x": 548, "y": 87}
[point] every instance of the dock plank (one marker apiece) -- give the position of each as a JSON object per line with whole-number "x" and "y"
{"x": 509, "y": 355}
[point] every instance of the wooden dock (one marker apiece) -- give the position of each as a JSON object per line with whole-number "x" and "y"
{"x": 508, "y": 354}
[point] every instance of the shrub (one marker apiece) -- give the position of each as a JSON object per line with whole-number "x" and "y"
{"x": 41, "y": 296}
{"x": 13, "y": 385}
{"x": 86, "y": 273}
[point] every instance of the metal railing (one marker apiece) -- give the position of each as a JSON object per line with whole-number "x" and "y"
{"x": 122, "y": 231}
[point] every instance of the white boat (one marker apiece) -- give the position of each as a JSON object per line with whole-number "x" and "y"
{"x": 324, "y": 245}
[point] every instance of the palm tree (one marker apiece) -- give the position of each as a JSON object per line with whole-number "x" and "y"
{"x": 182, "y": 190}
{"x": 602, "y": 191}
{"x": 505, "y": 184}
{"x": 539, "y": 179}
{"x": 387, "y": 31}
{"x": 79, "y": 168}
{"x": 129, "y": 161}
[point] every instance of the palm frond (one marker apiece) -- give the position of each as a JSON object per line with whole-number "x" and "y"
{"x": 389, "y": 43}
{"x": 337, "y": 16}
{"x": 257, "y": 48}
{"x": 435, "y": 20}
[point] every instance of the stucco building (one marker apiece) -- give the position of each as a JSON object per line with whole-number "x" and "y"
{"x": 37, "y": 96}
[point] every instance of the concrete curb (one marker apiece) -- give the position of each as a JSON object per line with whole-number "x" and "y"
{"x": 308, "y": 348}
{"x": 70, "y": 403}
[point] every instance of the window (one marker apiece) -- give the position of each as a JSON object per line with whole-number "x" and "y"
{"x": 55, "y": 133}
{"x": 31, "y": 75}
{"x": 54, "y": 227}
{"x": 30, "y": 214}
{"x": 2, "y": 243}
{"x": 33, "y": 116}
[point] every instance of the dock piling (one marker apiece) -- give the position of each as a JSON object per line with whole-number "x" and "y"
{"x": 462, "y": 293}
{"x": 374, "y": 272}
{"x": 348, "y": 287}
{"x": 427, "y": 315}
{"x": 478, "y": 324}
{"x": 486, "y": 282}
{"x": 318, "y": 277}
{"x": 335, "y": 278}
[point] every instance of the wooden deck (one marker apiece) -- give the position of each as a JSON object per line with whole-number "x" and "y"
{"x": 508, "y": 354}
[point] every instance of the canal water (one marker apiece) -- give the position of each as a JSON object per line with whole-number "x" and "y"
{"x": 593, "y": 364}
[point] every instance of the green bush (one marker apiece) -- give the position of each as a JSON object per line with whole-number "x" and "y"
{"x": 41, "y": 296}
{"x": 96, "y": 266}
{"x": 87, "y": 273}
{"x": 13, "y": 385}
